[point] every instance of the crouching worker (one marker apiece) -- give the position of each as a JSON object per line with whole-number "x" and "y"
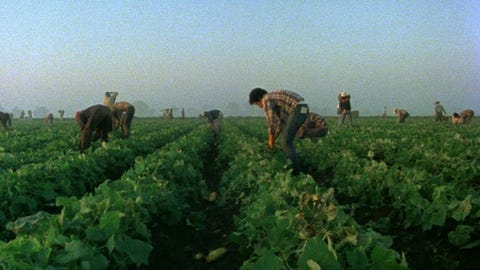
{"x": 465, "y": 117}
{"x": 95, "y": 122}
{"x": 48, "y": 119}
{"x": 313, "y": 128}
{"x": 123, "y": 113}
{"x": 401, "y": 115}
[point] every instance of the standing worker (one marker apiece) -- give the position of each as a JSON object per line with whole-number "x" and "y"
{"x": 438, "y": 112}
{"x": 344, "y": 108}
{"x": 95, "y": 122}
{"x": 284, "y": 110}
{"x": 61, "y": 112}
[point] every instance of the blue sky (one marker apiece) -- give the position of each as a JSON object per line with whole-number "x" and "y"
{"x": 209, "y": 54}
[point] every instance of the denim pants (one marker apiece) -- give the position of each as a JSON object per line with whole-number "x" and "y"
{"x": 294, "y": 122}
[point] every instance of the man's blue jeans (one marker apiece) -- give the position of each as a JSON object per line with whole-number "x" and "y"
{"x": 294, "y": 122}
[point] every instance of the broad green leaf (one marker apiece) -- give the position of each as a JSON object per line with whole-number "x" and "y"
{"x": 383, "y": 258}
{"x": 73, "y": 251}
{"x": 463, "y": 209}
{"x": 435, "y": 214}
{"x": 357, "y": 259}
{"x": 461, "y": 235}
{"x": 110, "y": 222}
{"x": 267, "y": 262}
{"x": 138, "y": 251}
{"x": 317, "y": 250}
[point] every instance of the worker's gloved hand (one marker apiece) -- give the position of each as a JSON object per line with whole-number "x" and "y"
{"x": 271, "y": 141}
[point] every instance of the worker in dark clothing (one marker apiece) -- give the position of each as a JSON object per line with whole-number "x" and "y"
{"x": 95, "y": 122}
{"x": 214, "y": 117}
{"x": 344, "y": 109}
{"x": 5, "y": 120}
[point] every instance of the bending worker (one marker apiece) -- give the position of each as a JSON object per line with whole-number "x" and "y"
{"x": 284, "y": 110}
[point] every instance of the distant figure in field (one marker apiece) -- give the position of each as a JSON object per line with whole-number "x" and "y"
{"x": 214, "y": 117}
{"x": 384, "y": 114}
{"x": 48, "y": 119}
{"x": 29, "y": 112}
{"x": 6, "y": 120}
{"x": 109, "y": 98}
{"x": 168, "y": 113}
{"x": 438, "y": 112}
{"x": 344, "y": 108}
{"x": 61, "y": 112}
{"x": 313, "y": 128}
{"x": 401, "y": 114}
{"x": 122, "y": 113}
{"x": 183, "y": 113}
{"x": 95, "y": 122}
{"x": 464, "y": 117}
{"x": 22, "y": 114}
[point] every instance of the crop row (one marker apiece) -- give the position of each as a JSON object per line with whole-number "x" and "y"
{"x": 366, "y": 189}
{"x": 416, "y": 182}
{"x": 287, "y": 222}
{"x": 33, "y": 186}
{"x": 108, "y": 228}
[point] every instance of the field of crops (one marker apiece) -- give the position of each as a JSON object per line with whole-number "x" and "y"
{"x": 380, "y": 195}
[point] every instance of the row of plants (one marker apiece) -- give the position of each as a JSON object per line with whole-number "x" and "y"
{"x": 109, "y": 228}
{"x": 366, "y": 188}
{"x": 415, "y": 182}
{"x": 287, "y": 222}
{"x": 33, "y": 187}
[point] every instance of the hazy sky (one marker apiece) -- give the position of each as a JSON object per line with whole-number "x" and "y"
{"x": 210, "y": 54}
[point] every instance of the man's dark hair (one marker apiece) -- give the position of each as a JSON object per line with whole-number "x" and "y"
{"x": 256, "y": 95}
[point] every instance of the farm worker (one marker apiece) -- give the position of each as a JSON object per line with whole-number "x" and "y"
{"x": 168, "y": 113}
{"x": 344, "y": 108}
{"x": 401, "y": 114}
{"x": 109, "y": 98}
{"x": 438, "y": 112}
{"x": 384, "y": 114}
{"x": 313, "y": 128}
{"x": 6, "y": 119}
{"x": 214, "y": 117}
{"x": 95, "y": 122}
{"x": 122, "y": 113}
{"x": 48, "y": 119}
{"x": 464, "y": 117}
{"x": 284, "y": 110}
{"x": 61, "y": 112}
